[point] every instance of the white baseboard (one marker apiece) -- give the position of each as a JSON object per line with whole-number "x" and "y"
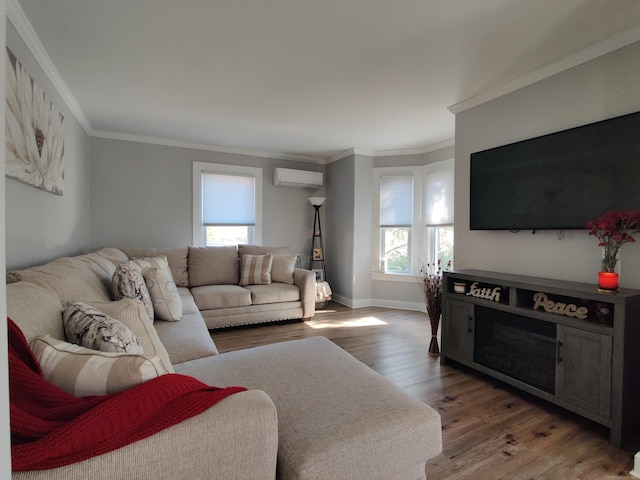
{"x": 375, "y": 302}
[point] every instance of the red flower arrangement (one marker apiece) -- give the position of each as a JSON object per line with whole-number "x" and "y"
{"x": 614, "y": 229}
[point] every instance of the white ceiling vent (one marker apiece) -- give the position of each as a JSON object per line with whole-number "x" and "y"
{"x": 296, "y": 178}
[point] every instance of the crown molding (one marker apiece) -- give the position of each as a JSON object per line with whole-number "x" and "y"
{"x": 203, "y": 146}
{"x": 416, "y": 151}
{"x": 391, "y": 153}
{"x": 17, "y": 17}
{"x": 609, "y": 45}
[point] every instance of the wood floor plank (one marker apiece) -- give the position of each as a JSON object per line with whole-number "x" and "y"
{"x": 490, "y": 430}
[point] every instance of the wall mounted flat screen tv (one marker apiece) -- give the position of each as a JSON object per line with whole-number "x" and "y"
{"x": 558, "y": 181}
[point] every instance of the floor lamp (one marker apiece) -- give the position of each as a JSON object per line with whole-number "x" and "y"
{"x": 316, "y": 258}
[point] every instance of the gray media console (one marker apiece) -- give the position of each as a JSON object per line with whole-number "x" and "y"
{"x": 566, "y": 342}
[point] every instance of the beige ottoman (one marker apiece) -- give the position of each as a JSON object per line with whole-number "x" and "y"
{"x": 337, "y": 418}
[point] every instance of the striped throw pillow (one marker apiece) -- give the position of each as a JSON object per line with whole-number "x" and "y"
{"x": 81, "y": 371}
{"x": 256, "y": 269}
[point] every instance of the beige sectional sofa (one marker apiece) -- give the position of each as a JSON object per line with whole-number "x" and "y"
{"x": 312, "y": 411}
{"x": 213, "y": 276}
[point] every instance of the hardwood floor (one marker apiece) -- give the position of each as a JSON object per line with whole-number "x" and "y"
{"x": 490, "y": 431}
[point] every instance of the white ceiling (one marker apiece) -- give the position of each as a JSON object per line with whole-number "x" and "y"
{"x": 308, "y": 77}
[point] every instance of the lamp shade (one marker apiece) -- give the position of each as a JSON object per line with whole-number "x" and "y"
{"x": 317, "y": 201}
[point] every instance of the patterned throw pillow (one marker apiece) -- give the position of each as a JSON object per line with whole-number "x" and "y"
{"x": 256, "y": 269}
{"x": 87, "y": 326}
{"x": 128, "y": 282}
{"x": 81, "y": 371}
{"x": 167, "y": 304}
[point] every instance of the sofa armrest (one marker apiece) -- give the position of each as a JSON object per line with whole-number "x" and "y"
{"x": 305, "y": 280}
{"x": 235, "y": 439}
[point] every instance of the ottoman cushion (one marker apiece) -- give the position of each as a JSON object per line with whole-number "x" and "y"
{"x": 337, "y": 418}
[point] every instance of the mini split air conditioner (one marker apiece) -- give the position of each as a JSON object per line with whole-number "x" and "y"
{"x": 296, "y": 178}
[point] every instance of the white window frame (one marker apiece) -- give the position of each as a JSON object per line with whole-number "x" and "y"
{"x": 220, "y": 168}
{"x": 430, "y": 230}
{"x": 415, "y": 235}
{"x": 422, "y": 241}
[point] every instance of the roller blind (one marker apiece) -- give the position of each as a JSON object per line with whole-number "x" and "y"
{"x": 396, "y": 201}
{"x": 228, "y": 199}
{"x": 439, "y": 198}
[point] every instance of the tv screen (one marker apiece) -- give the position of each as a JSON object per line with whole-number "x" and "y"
{"x": 558, "y": 181}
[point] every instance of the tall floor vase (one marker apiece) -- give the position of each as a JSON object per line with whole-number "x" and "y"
{"x": 434, "y": 348}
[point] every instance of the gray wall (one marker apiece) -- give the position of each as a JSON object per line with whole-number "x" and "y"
{"x": 602, "y": 88}
{"x": 5, "y": 431}
{"x": 349, "y": 218}
{"x": 339, "y": 231}
{"x": 363, "y": 176}
{"x": 39, "y": 225}
{"x": 141, "y": 196}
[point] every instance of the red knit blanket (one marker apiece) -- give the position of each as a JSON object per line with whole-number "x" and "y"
{"x": 51, "y": 428}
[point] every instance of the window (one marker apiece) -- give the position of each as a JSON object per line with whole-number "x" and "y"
{"x": 413, "y": 216}
{"x": 227, "y": 206}
{"x": 438, "y": 208}
{"x": 396, "y": 222}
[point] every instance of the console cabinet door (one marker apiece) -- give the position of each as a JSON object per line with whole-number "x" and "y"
{"x": 457, "y": 330}
{"x": 583, "y": 369}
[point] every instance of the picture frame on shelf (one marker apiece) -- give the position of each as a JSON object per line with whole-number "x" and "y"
{"x": 319, "y": 274}
{"x": 317, "y": 254}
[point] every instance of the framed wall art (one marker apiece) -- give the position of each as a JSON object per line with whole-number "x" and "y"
{"x": 34, "y": 132}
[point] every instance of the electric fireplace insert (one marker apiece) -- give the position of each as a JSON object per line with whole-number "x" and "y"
{"x": 521, "y": 347}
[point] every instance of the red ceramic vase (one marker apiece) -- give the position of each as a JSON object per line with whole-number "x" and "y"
{"x": 607, "y": 280}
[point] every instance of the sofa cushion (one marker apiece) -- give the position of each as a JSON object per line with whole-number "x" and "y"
{"x": 213, "y": 266}
{"x": 256, "y": 269}
{"x": 274, "y": 293}
{"x": 87, "y": 326}
{"x": 36, "y": 310}
{"x": 81, "y": 371}
{"x": 132, "y": 313}
{"x": 164, "y": 294}
{"x": 128, "y": 282}
{"x": 115, "y": 256}
{"x": 71, "y": 278}
{"x": 187, "y": 339}
{"x": 283, "y": 261}
{"x": 188, "y": 304}
{"x": 221, "y": 296}
{"x": 261, "y": 250}
{"x": 282, "y": 268}
{"x": 176, "y": 257}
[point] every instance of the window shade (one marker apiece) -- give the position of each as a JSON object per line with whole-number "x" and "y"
{"x": 439, "y": 198}
{"x": 228, "y": 200}
{"x": 396, "y": 201}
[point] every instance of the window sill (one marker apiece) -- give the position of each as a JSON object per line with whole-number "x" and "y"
{"x": 393, "y": 277}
